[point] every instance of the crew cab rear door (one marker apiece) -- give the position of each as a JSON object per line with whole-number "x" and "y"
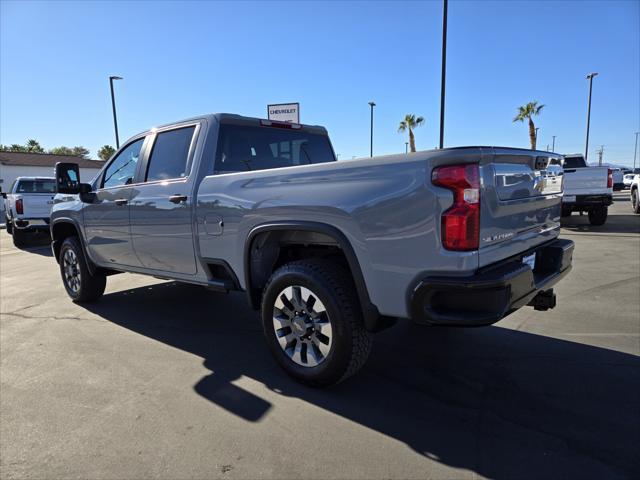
{"x": 161, "y": 203}
{"x": 520, "y": 202}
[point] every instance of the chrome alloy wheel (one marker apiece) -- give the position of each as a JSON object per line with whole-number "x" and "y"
{"x": 302, "y": 326}
{"x": 71, "y": 269}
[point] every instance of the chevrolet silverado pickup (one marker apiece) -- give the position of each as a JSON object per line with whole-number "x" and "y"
{"x": 586, "y": 189}
{"x": 328, "y": 251}
{"x": 27, "y": 206}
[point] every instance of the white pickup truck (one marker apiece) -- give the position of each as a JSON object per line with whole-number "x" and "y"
{"x": 586, "y": 189}
{"x": 28, "y": 206}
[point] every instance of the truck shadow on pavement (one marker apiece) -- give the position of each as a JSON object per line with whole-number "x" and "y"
{"x": 499, "y": 402}
{"x": 615, "y": 224}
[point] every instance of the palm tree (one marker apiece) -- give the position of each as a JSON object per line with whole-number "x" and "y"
{"x": 526, "y": 112}
{"x": 409, "y": 123}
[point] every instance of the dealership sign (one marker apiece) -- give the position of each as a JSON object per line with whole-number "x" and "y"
{"x": 284, "y": 112}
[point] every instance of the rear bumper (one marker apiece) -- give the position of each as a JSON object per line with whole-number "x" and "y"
{"x": 492, "y": 293}
{"x": 586, "y": 201}
{"x": 31, "y": 223}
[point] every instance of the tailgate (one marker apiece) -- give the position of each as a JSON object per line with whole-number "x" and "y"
{"x": 520, "y": 202}
{"x": 586, "y": 181}
{"x": 37, "y": 205}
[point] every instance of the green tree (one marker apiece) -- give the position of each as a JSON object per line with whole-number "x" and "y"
{"x": 410, "y": 122}
{"x": 526, "y": 112}
{"x": 34, "y": 146}
{"x": 75, "y": 151}
{"x": 105, "y": 152}
{"x": 61, "y": 151}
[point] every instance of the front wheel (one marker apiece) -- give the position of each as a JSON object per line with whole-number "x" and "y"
{"x": 635, "y": 201}
{"x": 81, "y": 285}
{"x": 598, "y": 216}
{"x": 313, "y": 324}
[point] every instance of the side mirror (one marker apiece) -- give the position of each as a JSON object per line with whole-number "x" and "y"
{"x": 68, "y": 178}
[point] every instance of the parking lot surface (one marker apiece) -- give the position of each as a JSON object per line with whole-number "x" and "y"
{"x": 161, "y": 380}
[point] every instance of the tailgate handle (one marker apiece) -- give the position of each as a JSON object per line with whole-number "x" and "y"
{"x": 121, "y": 201}
{"x": 177, "y": 198}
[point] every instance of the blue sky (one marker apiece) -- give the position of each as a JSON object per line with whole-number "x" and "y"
{"x": 183, "y": 59}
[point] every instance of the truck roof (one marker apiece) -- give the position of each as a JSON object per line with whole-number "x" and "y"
{"x": 232, "y": 118}
{"x": 34, "y": 178}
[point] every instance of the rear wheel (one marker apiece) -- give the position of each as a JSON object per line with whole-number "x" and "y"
{"x": 81, "y": 285}
{"x": 19, "y": 237}
{"x": 635, "y": 201}
{"x": 598, "y": 216}
{"x": 9, "y": 225}
{"x": 313, "y": 323}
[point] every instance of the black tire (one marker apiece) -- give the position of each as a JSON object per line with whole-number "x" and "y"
{"x": 9, "y": 225}
{"x": 84, "y": 287}
{"x": 334, "y": 288}
{"x": 19, "y": 237}
{"x": 635, "y": 201}
{"x": 598, "y": 216}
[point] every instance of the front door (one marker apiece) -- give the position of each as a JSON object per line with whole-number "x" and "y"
{"x": 161, "y": 204}
{"x": 106, "y": 219}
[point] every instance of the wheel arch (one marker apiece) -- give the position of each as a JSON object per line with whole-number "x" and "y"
{"x": 61, "y": 229}
{"x": 309, "y": 232}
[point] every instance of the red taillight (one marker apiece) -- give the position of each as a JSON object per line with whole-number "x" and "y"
{"x": 609, "y": 178}
{"x": 461, "y": 222}
{"x": 19, "y": 206}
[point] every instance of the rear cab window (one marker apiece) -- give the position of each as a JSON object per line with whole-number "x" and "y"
{"x": 243, "y": 148}
{"x": 36, "y": 186}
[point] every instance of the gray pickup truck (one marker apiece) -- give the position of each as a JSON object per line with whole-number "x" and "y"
{"x": 329, "y": 251}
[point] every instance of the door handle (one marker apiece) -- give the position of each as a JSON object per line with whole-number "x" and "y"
{"x": 121, "y": 201}
{"x": 177, "y": 198}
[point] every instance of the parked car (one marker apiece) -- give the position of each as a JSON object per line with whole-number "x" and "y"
{"x": 586, "y": 189}
{"x": 635, "y": 193}
{"x": 628, "y": 179}
{"x": 28, "y": 206}
{"x": 329, "y": 251}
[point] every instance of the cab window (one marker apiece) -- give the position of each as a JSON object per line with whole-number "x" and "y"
{"x": 123, "y": 168}
{"x": 170, "y": 154}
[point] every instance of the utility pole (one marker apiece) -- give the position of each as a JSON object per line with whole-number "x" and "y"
{"x": 635, "y": 152}
{"x": 586, "y": 146}
{"x": 547, "y": 147}
{"x": 553, "y": 147}
{"x": 537, "y": 128}
{"x": 371, "y": 104}
{"x": 444, "y": 69}
{"x": 113, "y": 106}
{"x": 600, "y": 152}
{"x": 406, "y": 150}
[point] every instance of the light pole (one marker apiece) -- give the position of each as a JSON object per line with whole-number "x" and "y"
{"x": 635, "y": 152}
{"x": 406, "y": 149}
{"x": 586, "y": 146}
{"x": 113, "y": 106}
{"x": 371, "y": 104}
{"x": 444, "y": 69}
{"x": 537, "y": 128}
{"x": 553, "y": 148}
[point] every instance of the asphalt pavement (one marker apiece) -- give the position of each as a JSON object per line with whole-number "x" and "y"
{"x": 169, "y": 381}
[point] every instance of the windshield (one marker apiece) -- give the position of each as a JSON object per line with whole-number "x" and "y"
{"x": 36, "y": 186}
